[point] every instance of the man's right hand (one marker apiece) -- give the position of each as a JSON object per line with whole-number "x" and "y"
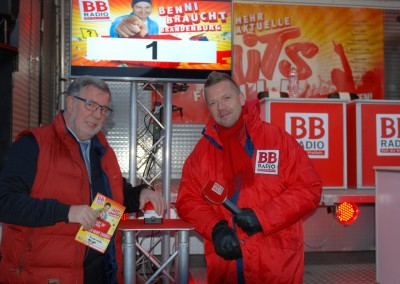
{"x": 82, "y": 214}
{"x": 131, "y": 26}
{"x": 225, "y": 241}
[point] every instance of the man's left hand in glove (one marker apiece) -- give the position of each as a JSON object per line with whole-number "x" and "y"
{"x": 248, "y": 221}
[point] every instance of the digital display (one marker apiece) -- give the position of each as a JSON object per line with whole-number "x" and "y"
{"x": 161, "y": 40}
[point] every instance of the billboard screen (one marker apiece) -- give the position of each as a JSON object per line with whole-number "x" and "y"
{"x": 171, "y": 40}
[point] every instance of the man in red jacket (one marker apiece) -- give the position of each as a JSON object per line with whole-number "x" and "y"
{"x": 267, "y": 175}
{"x": 47, "y": 186}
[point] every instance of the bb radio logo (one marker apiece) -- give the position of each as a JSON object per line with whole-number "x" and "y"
{"x": 94, "y": 11}
{"x": 311, "y": 131}
{"x": 267, "y": 162}
{"x": 388, "y": 134}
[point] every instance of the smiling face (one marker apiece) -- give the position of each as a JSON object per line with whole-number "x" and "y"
{"x": 142, "y": 10}
{"x": 107, "y": 207}
{"x": 85, "y": 123}
{"x": 224, "y": 103}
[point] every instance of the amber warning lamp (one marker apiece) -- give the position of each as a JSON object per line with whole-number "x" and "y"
{"x": 346, "y": 212}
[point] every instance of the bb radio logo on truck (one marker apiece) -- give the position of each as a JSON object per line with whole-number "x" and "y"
{"x": 311, "y": 131}
{"x": 388, "y": 134}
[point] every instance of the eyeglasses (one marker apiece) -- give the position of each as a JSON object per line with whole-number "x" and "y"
{"x": 92, "y": 106}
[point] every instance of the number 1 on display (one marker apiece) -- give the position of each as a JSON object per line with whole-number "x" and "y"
{"x": 153, "y": 45}
{"x": 203, "y": 52}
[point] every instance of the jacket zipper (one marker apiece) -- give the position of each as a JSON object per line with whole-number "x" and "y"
{"x": 22, "y": 258}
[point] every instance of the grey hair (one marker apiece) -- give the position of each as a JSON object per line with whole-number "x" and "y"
{"x": 75, "y": 88}
{"x": 216, "y": 77}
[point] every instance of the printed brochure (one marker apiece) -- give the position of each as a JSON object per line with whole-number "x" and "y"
{"x": 110, "y": 212}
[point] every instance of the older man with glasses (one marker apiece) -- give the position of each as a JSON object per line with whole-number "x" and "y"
{"x": 47, "y": 184}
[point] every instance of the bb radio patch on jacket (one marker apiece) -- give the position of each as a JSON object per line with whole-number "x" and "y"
{"x": 267, "y": 162}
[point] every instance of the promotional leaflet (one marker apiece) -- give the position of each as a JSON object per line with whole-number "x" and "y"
{"x": 110, "y": 212}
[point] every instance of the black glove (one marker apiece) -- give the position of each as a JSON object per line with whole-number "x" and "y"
{"x": 225, "y": 241}
{"x": 247, "y": 221}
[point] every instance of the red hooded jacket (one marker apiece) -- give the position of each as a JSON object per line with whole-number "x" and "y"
{"x": 280, "y": 197}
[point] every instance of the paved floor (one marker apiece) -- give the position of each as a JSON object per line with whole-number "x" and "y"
{"x": 321, "y": 267}
{"x": 340, "y": 268}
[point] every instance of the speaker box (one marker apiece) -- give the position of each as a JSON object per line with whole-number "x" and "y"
{"x": 9, "y": 8}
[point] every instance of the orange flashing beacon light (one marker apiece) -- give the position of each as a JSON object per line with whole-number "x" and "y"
{"x": 346, "y": 212}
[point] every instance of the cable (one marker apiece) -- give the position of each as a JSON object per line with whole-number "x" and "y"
{"x": 144, "y": 266}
